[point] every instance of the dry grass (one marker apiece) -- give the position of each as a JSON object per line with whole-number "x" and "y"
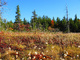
{"x": 55, "y": 46}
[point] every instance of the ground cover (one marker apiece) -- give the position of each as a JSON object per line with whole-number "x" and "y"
{"x": 39, "y": 45}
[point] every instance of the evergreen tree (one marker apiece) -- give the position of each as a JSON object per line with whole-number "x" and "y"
{"x": 43, "y": 22}
{"x": 71, "y": 25}
{"x": 79, "y": 26}
{"x": 17, "y": 20}
{"x": 34, "y": 20}
{"x": 76, "y": 22}
{"x": 39, "y": 25}
{"x": 34, "y": 16}
{"x": 24, "y": 21}
{"x": 47, "y": 21}
{"x": 58, "y": 22}
{"x": 63, "y": 24}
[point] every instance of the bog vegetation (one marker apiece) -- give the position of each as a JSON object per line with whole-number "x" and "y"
{"x": 39, "y": 45}
{"x": 40, "y": 23}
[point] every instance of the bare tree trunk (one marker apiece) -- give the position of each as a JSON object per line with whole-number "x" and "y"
{"x": 68, "y": 29}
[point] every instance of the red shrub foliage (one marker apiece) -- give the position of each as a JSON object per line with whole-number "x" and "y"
{"x": 24, "y": 27}
{"x": 52, "y": 23}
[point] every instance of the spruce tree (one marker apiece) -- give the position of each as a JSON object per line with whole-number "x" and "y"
{"x": 39, "y": 25}
{"x": 63, "y": 24}
{"x": 58, "y": 22}
{"x": 17, "y": 20}
{"x": 34, "y": 20}
{"x": 24, "y": 21}
{"x": 76, "y": 22}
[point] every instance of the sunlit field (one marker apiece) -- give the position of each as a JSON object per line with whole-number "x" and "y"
{"x": 39, "y": 46}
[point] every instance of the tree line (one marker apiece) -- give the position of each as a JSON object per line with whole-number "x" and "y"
{"x": 41, "y": 23}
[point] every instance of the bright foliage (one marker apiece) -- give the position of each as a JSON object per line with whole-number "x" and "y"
{"x": 52, "y": 23}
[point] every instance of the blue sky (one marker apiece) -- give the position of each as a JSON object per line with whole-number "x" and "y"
{"x": 50, "y": 8}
